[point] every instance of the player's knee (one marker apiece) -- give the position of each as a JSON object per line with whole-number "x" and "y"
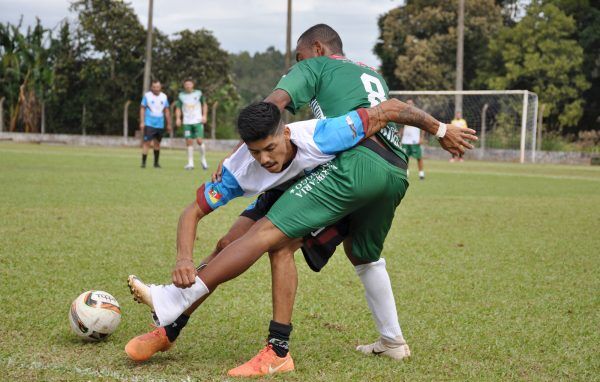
{"x": 223, "y": 243}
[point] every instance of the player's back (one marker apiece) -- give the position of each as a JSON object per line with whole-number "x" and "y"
{"x": 335, "y": 85}
{"x": 345, "y": 85}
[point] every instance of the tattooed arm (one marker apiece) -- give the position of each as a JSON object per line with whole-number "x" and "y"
{"x": 455, "y": 141}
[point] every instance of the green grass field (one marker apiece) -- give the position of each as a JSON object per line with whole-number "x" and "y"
{"x": 495, "y": 269}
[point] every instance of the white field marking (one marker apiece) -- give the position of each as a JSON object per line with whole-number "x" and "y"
{"x": 516, "y": 174}
{"x": 85, "y": 372}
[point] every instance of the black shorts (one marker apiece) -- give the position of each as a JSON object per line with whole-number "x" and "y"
{"x": 318, "y": 246}
{"x": 151, "y": 133}
{"x": 259, "y": 208}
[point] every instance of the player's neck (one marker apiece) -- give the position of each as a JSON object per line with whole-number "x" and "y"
{"x": 291, "y": 149}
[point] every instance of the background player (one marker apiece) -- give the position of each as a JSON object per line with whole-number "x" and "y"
{"x": 192, "y": 105}
{"x": 153, "y": 110}
{"x": 412, "y": 139}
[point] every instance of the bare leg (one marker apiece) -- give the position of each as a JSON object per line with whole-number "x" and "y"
{"x": 284, "y": 281}
{"x": 237, "y": 230}
{"x": 420, "y": 164}
{"x": 236, "y": 258}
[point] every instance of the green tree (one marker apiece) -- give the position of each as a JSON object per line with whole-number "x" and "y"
{"x": 587, "y": 33}
{"x": 256, "y": 75}
{"x": 112, "y": 44}
{"x": 417, "y": 42}
{"x": 539, "y": 54}
{"x": 25, "y": 73}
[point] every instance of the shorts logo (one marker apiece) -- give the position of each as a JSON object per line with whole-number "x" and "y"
{"x": 214, "y": 196}
{"x": 351, "y": 125}
{"x": 306, "y": 185}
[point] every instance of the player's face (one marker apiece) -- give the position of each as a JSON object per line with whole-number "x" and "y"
{"x": 188, "y": 86}
{"x": 273, "y": 152}
{"x": 156, "y": 88}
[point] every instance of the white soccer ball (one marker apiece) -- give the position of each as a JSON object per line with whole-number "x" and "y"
{"x": 94, "y": 315}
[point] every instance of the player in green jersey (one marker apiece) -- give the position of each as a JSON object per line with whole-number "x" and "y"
{"x": 191, "y": 105}
{"x": 366, "y": 87}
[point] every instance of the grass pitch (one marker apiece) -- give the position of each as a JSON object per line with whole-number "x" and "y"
{"x": 495, "y": 269}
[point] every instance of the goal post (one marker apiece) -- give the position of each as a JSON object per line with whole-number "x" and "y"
{"x": 505, "y": 120}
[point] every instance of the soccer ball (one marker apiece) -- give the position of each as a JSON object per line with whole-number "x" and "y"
{"x": 94, "y": 315}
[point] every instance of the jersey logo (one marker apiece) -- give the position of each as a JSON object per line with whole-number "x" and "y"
{"x": 214, "y": 195}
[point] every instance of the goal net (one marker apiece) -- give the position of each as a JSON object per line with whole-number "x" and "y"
{"x": 505, "y": 120}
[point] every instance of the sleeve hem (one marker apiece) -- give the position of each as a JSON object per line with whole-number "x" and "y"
{"x": 201, "y": 200}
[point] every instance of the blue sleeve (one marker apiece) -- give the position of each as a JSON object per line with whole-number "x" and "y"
{"x": 144, "y": 102}
{"x": 211, "y": 195}
{"x": 334, "y": 135}
{"x": 167, "y": 103}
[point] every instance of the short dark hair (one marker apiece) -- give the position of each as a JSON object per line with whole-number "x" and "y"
{"x": 324, "y": 34}
{"x": 189, "y": 79}
{"x": 154, "y": 82}
{"x": 258, "y": 121}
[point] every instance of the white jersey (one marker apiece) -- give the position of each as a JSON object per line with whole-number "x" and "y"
{"x": 317, "y": 141}
{"x": 254, "y": 179}
{"x": 191, "y": 106}
{"x": 411, "y": 135}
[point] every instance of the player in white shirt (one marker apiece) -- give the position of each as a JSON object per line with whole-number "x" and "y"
{"x": 412, "y": 139}
{"x": 191, "y": 105}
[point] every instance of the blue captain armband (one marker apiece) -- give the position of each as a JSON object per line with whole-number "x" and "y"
{"x": 334, "y": 135}
{"x": 212, "y": 195}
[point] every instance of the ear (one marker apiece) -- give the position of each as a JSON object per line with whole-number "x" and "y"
{"x": 287, "y": 133}
{"x": 319, "y": 49}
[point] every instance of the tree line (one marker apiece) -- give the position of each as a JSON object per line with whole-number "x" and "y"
{"x": 79, "y": 76}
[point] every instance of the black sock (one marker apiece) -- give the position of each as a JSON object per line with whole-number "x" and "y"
{"x": 279, "y": 338}
{"x": 174, "y": 329}
{"x": 144, "y": 157}
{"x": 156, "y": 154}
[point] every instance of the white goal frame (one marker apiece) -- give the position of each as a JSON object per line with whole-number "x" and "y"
{"x": 524, "y": 116}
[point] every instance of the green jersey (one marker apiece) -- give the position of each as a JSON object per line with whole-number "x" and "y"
{"x": 334, "y": 86}
{"x": 191, "y": 106}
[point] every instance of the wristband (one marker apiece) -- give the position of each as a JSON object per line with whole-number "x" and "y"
{"x": 441, "y": 130}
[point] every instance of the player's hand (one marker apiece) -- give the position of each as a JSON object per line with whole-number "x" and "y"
{"x": 184, "y": 273}
{"x": 456, "y": 141}
{"x": 216, "y": 176}
{"x": 142, "y": 126}
{"x": 204, "y": 119}
{"x": 178, "y": 122}
{"x": 169, "y": 128}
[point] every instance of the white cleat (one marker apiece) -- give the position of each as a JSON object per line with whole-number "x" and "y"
{"x": 204, "y": 164}
{"x": 140, "y": 291}
{"x": 189, "y": 167}
{"x": 397, "y": 349}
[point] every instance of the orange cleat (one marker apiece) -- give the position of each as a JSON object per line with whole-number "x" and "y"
{"x": 264, "y": 363}
{"x": 142, "y": 348}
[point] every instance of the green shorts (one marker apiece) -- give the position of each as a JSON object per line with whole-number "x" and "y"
{"x": 357, "y": 182}
{"x": 413, "y": 151}
{"x": 193, "y": 131}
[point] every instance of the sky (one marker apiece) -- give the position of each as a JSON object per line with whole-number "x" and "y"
{"x": 251, "y": 25}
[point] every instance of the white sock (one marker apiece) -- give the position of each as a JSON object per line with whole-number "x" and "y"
{"x": 378, "y": 291}
{"x": 170, "y": 302}
{"x": 202, "y": 153}
{"x": 421, "y": 174}
{"x": 190, "y": 150}
{"x": 407, "y": 172}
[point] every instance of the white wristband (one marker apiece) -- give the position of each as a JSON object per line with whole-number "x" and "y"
{"x": 441, "y": 130}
